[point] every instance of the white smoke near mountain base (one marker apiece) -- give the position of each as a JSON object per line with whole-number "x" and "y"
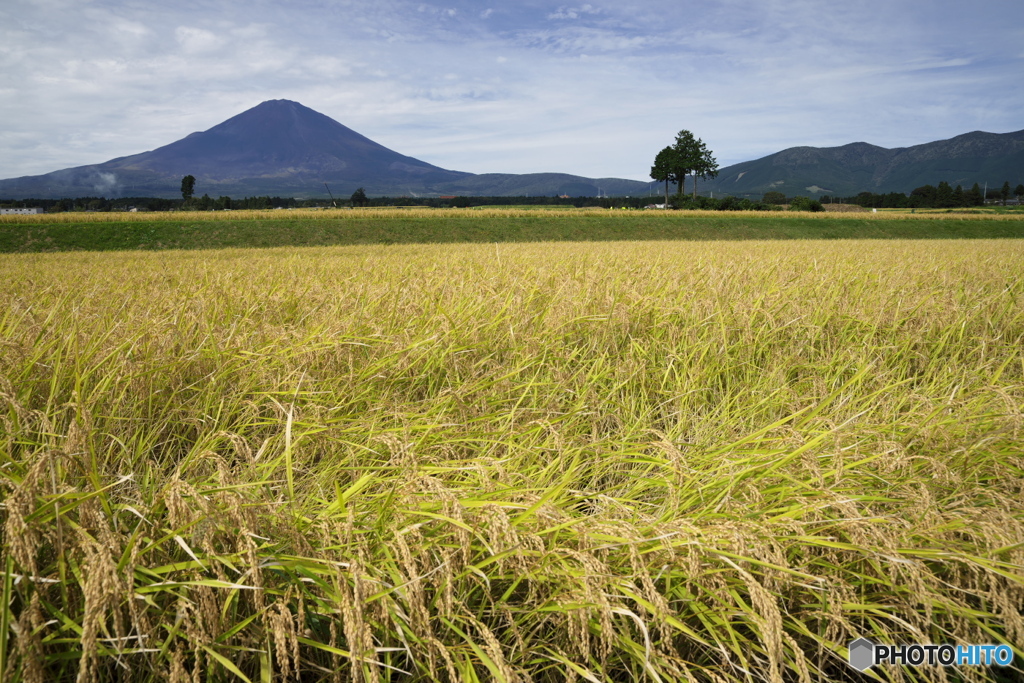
{"x": 106, "y": 184}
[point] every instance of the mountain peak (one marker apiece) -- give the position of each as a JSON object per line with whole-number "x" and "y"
{"x": 272, "y": 106}
{"x": 285, "y": 141}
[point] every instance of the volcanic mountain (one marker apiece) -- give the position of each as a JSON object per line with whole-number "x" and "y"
{"x": 282, "y": 148}
{"x": 278, "y": 147}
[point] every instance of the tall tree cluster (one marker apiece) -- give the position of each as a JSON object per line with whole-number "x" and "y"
{"x": 686, "y": 156}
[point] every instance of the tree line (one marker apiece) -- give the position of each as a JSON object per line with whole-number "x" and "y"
{"x": 695, "y": 163}
{"x": 686, "y": 201}
{"x": 204, "y": 203}
{"x": 266, "y": 202}
{"x": 942, "y": 196}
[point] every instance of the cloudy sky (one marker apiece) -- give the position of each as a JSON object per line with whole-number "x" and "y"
{"x": 594, "y": 88}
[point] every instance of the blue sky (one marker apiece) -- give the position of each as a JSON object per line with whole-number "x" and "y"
{"x": 594, "y": 88}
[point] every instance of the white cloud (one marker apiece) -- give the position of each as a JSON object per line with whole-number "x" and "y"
{"x": 197, "y": 40}
{"x": 922, "y": 65}
{"x": 573, "y": 12}
{"x": 437, "y": 11}
{"x": 578, "y": 39}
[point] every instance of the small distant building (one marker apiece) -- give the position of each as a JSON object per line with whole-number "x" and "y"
{"x": 21, "y": 212}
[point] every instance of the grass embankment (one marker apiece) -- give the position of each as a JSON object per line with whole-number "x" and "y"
{"x": 660, "y": 461}
{"x": 213, "y": 230}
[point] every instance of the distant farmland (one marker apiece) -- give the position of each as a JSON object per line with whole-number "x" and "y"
{"x": 309, "y": 228}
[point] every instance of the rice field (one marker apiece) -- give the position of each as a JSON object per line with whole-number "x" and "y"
{"x": 605, "y": 461}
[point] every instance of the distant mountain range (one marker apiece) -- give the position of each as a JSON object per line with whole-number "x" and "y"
{"x": 281, "y": 148}
{"x": 977, "y": 157}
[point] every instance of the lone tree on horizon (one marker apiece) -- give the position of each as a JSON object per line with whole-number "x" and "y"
{"x": 359, "y": 197}
{"x": 688, "y": 155}
{"x": 188, "y": 187}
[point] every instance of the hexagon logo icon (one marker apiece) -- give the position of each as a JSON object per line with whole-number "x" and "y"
{"x": 862, "y": 654}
